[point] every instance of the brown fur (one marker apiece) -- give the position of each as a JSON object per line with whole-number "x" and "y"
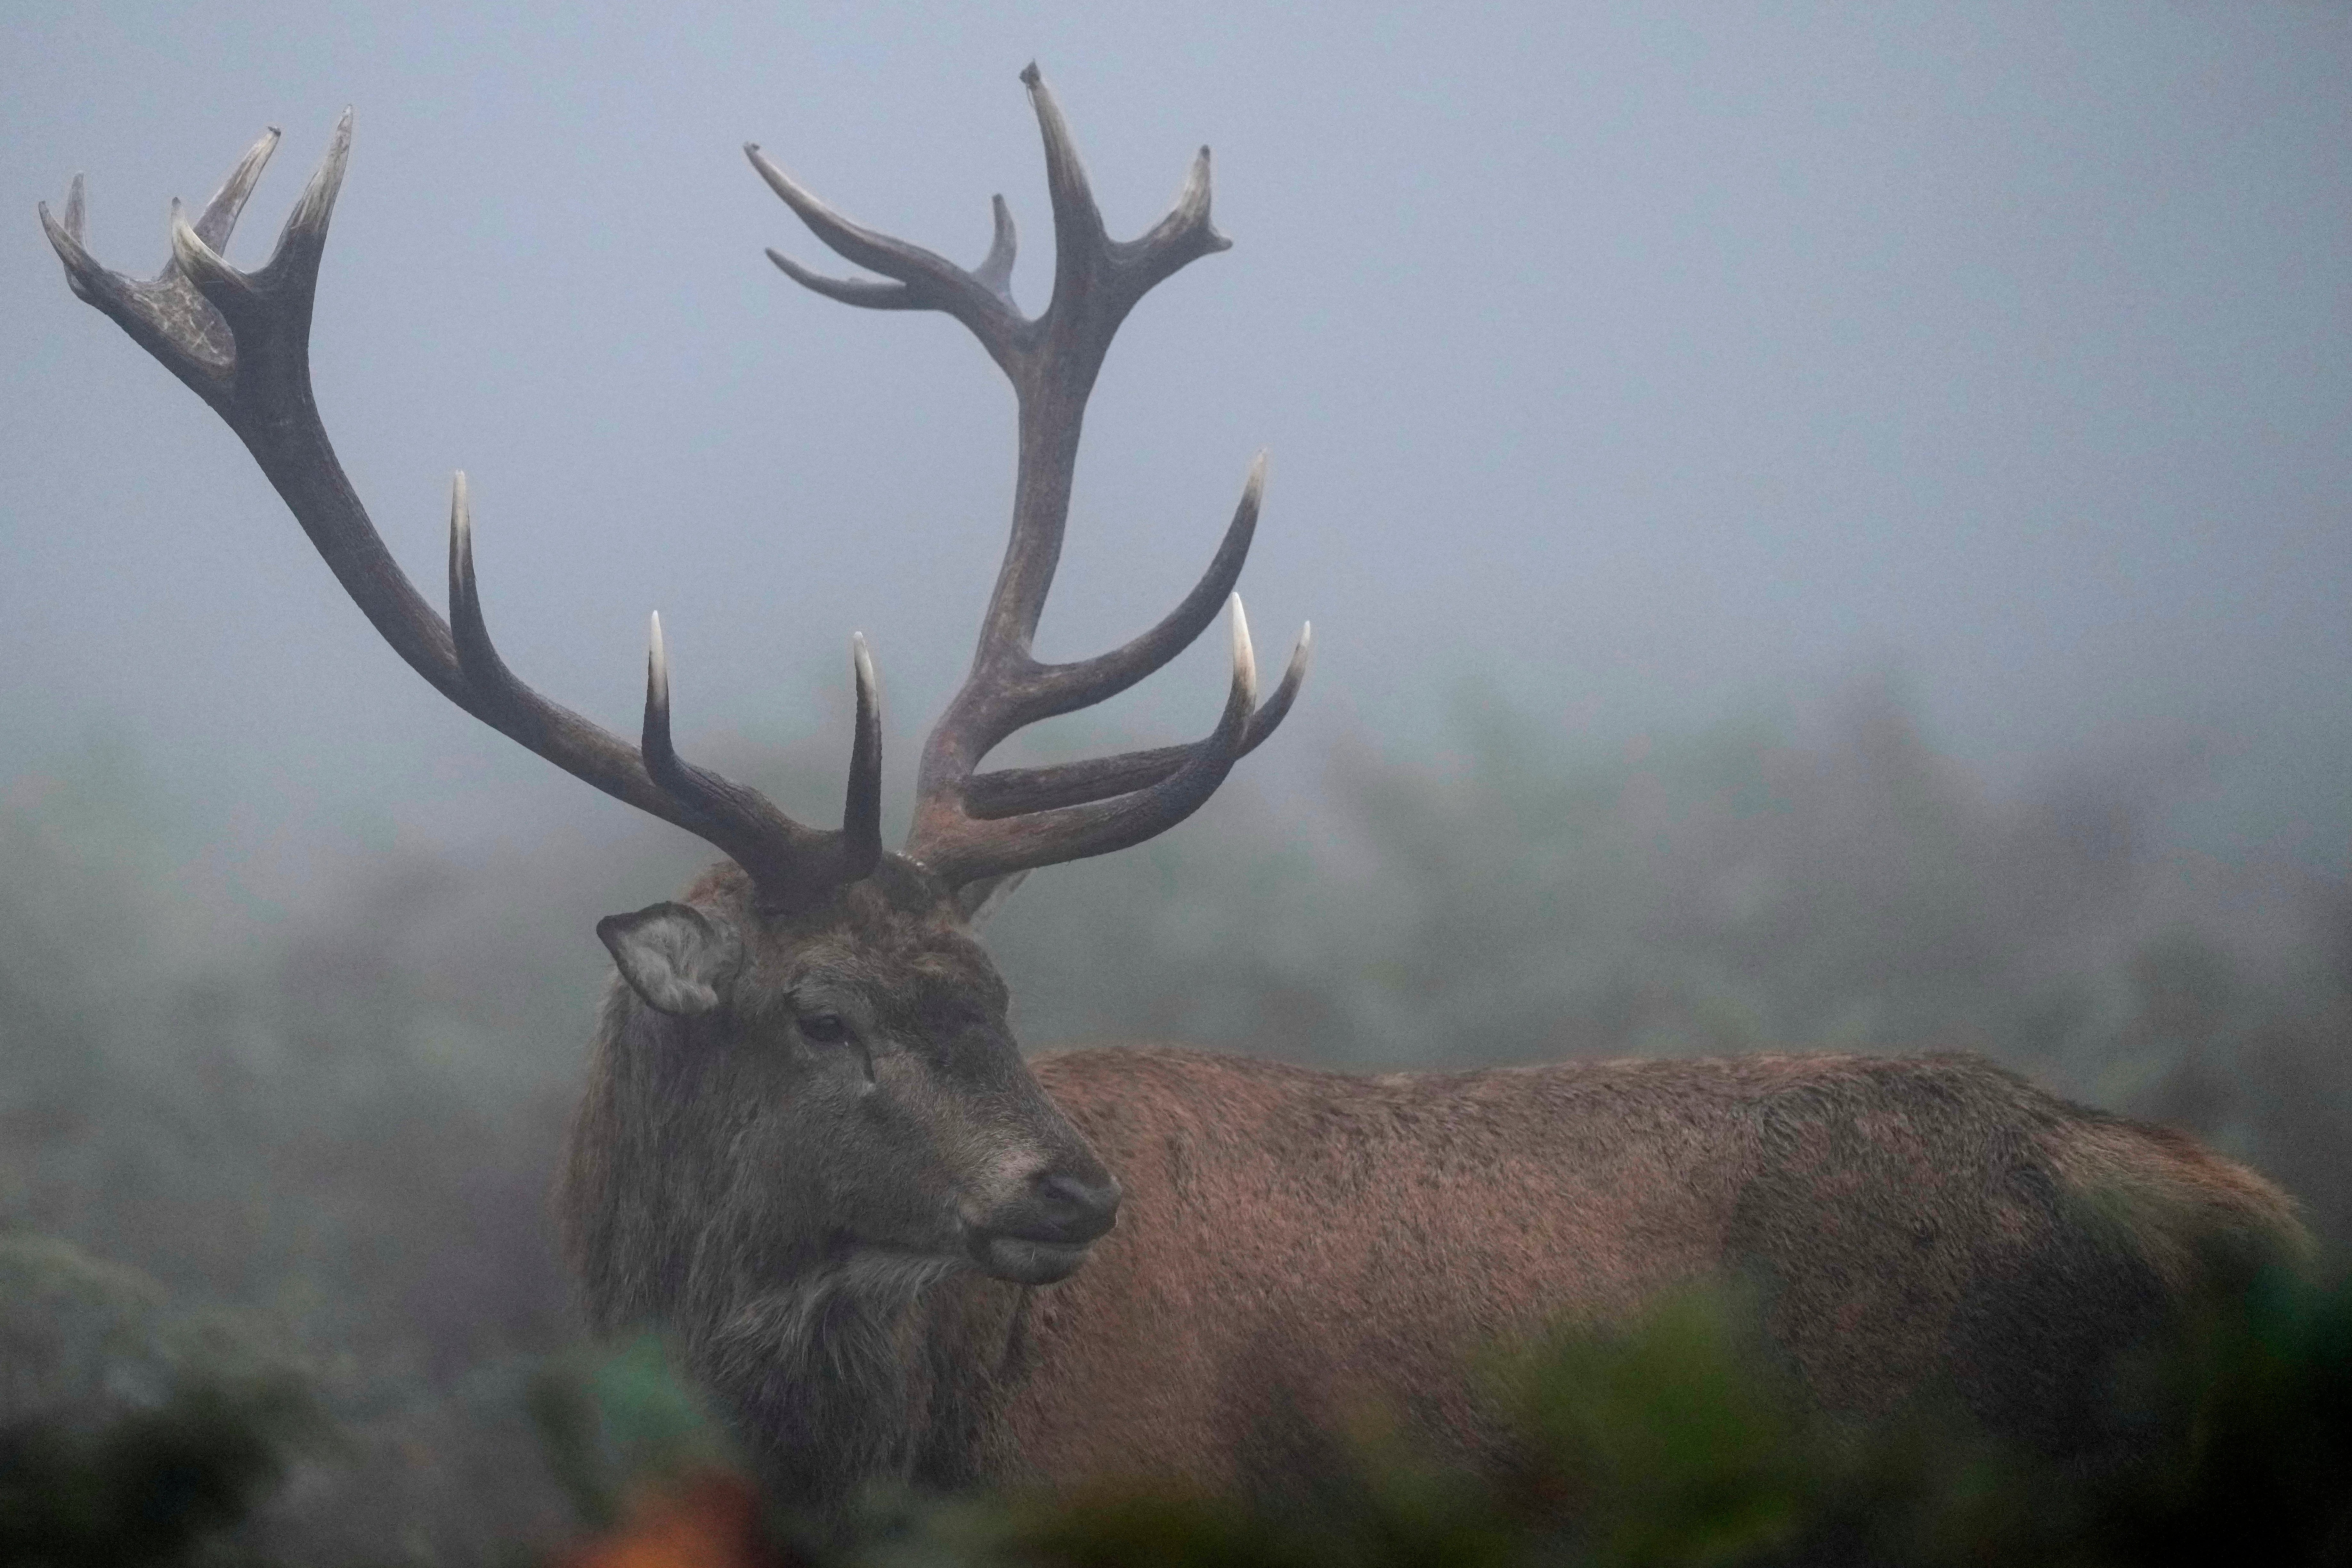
{"x": 1294, "y": 1243}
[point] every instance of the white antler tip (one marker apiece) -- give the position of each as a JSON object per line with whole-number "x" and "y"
{"x": 862, "y": 659}
{"x": 1244, "y": 657}
{"x": 656, "y": 651}
{"x": 188, "y": 247}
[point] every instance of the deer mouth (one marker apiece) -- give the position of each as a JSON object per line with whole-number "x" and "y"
{"x": 1027, "y": 1260}
{"x": 1044, "y": 1233}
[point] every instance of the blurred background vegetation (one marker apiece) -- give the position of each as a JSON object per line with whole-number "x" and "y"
{"x": 290, "y": 1177}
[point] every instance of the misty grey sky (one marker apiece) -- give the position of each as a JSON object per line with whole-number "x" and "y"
{"x": 1659, "y": 360}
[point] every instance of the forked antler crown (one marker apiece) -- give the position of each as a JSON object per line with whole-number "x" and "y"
{"x": 241, "y": 342}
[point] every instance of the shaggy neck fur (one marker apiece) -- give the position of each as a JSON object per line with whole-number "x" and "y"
{"x": 858, "y": 1370}
{"x": 839, "y": 1368}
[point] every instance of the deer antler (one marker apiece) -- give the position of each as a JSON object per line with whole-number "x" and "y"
{"x": 971, "y": 825}
{"x": 241, "y": 341}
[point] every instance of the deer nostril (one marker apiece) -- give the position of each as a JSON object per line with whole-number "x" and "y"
{"x": 1078, "y": 1208}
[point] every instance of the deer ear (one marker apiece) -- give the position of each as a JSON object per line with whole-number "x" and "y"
{"x": 977, "y": 900}
{"x": 674, "y": 955}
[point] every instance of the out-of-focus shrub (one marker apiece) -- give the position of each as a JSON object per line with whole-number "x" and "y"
{"x": 84, "y": 1341}
{"x": 1679, "y": 1441}
{"x": 622, "y": 1426}
{"x": 153, "y": 1487}
{"x": 131, "y": 1432}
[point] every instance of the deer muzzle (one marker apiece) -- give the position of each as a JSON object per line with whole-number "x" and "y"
{"x": 1043, "y": 1235}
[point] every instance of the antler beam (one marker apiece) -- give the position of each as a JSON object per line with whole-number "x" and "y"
{"x": 968, "y": 827}
{"x": 241, "y": 341}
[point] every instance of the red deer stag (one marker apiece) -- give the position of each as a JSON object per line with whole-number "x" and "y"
{"x": 811, "y": 1149}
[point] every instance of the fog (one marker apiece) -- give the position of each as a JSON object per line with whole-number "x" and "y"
{"x": 1823, "y": 528}
{"x": 1651, "y": 363}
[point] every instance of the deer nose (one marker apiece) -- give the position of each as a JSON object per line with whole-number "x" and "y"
{"x": 1072, "y": 1209}
{"x": 1044, "y": 1234}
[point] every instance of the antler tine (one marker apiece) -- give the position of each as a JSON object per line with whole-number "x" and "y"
{"x": 166, "y": 315}
{"x": 1043, "y": 690}
{"x": 226, "y": 289}
{"x": 278, "y": 296}
{"x": 1053, "y": 688}
{"x": 1081, "y": 245}
{"x": 218, "y": 220}
{"x": 1025, "y": 692}
{"x": 492, "y": 692}
{"x": 969, "y": 849}
{"x": 861, "y": 812}
{"x": 294, "y": 264}
{"x": 1011, "y": 791}
{"x": 241, "y": 341}
{"x": 865, "y": 292}
{"x": 923, "y": 280}
{"x": 486, "y": 674}
{"x": 1099, "y": 276}
{"x": 793, "y": 865}
{"x": 994, "y": 272}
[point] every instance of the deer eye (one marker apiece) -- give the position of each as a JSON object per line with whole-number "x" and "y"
{"x": 824, "y": 1028}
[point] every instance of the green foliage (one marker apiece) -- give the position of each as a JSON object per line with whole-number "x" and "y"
{"x": 1681, "y": 1441}
{"x": 83, "y": 1338}
{"x": 2266, "y": 1472}
{"x": 616, "y": 1422}
{"x": 1667, "y": 1444}
{"x": 154, "y": 1487}
{"x": 131, "y": 1432}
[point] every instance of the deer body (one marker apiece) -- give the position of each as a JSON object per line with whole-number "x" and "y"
{"x": 811, "y": 1147}
{"x": 1295, "y": 1248}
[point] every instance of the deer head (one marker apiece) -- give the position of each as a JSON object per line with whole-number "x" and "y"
{"x": 814, "y": 989}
